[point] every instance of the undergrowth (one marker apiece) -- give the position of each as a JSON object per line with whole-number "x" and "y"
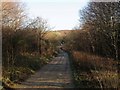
{"x": 91, "y": 71}
{"x": 24, "y": 66}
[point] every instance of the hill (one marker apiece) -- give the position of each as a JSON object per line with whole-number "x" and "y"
{"x": 59, "y": 33}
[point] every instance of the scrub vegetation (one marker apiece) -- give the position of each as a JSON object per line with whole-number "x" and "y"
{"x": 93, "y": 46}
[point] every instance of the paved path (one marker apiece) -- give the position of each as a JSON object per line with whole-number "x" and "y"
{"x": 56, "y": 74}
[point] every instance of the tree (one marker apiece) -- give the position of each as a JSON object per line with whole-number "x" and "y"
{"x": 101, "y": 21}
{"x": 12, "y": 14}
{"x": 41, "y": 27}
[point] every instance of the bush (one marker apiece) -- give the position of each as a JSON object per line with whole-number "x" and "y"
{"x": 32, "y": 62}
{"x": 24, "y": 66}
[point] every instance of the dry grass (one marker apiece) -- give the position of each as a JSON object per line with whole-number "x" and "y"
{"x": 94, "y": 71}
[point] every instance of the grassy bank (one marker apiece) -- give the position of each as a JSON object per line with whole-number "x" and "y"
{"x": 90, "y": 71}
{"x": 24, "y": 66}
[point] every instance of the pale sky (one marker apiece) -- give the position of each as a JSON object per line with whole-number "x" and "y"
{"x": 60, "y": 14}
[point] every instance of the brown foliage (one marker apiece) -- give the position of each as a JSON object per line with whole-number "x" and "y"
{"x": 91, "y": 68}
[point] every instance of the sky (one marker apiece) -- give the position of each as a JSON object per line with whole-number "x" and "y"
{"x": 60, "y": 14}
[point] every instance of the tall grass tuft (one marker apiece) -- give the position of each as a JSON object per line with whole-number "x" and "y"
{"x": 91, "y": 71}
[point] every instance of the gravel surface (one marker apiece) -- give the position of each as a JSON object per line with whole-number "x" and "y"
{"x": 56, "y": 74}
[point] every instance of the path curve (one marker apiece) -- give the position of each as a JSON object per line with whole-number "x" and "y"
{"x": 56, "y": 74}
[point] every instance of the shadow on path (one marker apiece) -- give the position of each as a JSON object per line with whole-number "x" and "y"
{"x": 56, "y": 74}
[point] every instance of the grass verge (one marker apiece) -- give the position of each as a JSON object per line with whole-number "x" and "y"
{"x": 24, "y": 66}
{"x": 90, "y": 71}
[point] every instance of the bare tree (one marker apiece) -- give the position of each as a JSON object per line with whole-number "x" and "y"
{"x": 12, "y": 19}
{"x": 101, "y": 20}
{"x": 41, "y": 27}
{"x": 12, "y": 14}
